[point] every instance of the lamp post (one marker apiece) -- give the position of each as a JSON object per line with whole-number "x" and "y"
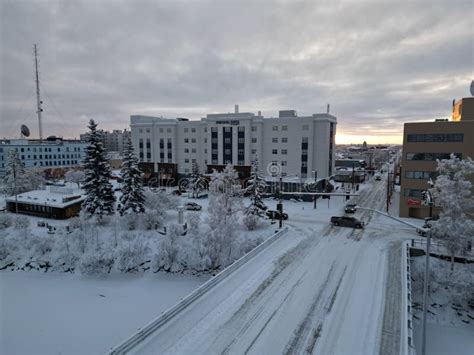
{"x": 429, "y": 201}
{"x": 315, "y": 185}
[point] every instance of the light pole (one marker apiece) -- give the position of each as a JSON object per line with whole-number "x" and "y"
{"x": 315, "y": 185}
{"x": 429, "y": 201}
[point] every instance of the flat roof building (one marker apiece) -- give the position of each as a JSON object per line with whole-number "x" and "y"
{"x": 288, "y": 144}
{"x": 423, "y": 144}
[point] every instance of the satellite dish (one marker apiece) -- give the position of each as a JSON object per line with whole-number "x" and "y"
{"x": 472, "y": 88}
{"x": 25, "y": 131}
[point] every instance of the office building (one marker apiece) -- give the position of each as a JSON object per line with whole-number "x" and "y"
{"x": 423, "y": 143}
{"x": 289, "y": 145}
{"x": 46, "y": 154}
{"x": 114, "y": 141}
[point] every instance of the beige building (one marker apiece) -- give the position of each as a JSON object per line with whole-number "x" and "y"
{"x": 423, "y": 143}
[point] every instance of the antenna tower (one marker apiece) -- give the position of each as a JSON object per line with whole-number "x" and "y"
{"x": 38, "y": 100}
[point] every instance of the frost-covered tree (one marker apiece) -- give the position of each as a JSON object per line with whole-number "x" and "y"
{"x": 452, "y": 191}
{"x": 132, "y": 199}
{"x": 197, "y": 182}
{"x": 74, "y": 176}
{"x": 100, "y": 196}
{"x": 256, "y": 187}
{"x": 16, "y": 179}
{"x": 224, "y": 204}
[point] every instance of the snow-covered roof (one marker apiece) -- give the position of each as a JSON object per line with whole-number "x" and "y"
{"x": 291, "y": 179}
{"x": 53, "y": 197}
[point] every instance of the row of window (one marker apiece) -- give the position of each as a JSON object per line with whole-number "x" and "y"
{"x": 283, "y": 151}
{"x": 417, "y": 193}
{"x": 437, "y": 137}
{"x": 51, "y": 156}
{"x": 56, "y": 163}
{"x": 430, "y": 156}
{"x": 422, "y": 175}
{"x": 283, "y": 140}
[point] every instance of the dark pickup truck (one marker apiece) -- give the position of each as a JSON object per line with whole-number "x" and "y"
{"x": 347, "y": 222}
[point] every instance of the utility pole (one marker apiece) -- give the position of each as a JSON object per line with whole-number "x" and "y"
{"x": 280, "y": 203}
{"x": 388, "y": 190}
{"x": 38, "y": 100}
{"x": 15, "y": 187}
{"x": 429, "y": 199}
{"x": 353, "y": 176}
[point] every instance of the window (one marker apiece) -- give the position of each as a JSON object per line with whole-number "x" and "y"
{"x": 193, "y": 130}
{"x": 161, "y": 130}
{"x": 283, "y": 151}
{"x": 227, "y": 151}
{"x": 274, "y": 140}
{"x": 186, "y": 150}
{"x": 147, "y": 130}
{"x": 193, "y": 161}
{"x": 186, "y": 140}
{"x": 304, "y": 164}
{"x": 413, "y": 193}
{"x": 240, "y": 152}
{"x": 305, "y": 127}
{"x": 140, "y": 130}
{"x": 284, "y": 128}
{"x": 437, "y": 138}
{"x": 186, "y": 160}
{"x": 254, "y": 128}
{"x": 430, "y": 156}
{"x": 274, "y": 151}
{"x": 241, "y": 140}
{"x": 275, "y": 128}
{"x": 241, "y": 129}
{"x": 283, "y": 163}
{"x": 227, "y": 140}
{"x": 205, "y": 140}
{"x": 193, "y": 150}
{"x": 274, "y": 162}
{"x": 205, "y": 151}
{"x": 185, "y": 130}
{"x": 254, "y": 140}
{"x": 305, "y": 140}
{"x": 254, "y": 151}
{"x": 284, "y": 139}
{"x": 422, "y": 175}
{"x": 193, "y": 140}
{"x": 213, "y": 129}
{"x": 304, "y": 152}
{"x": 168, "y": 130}
{"x": 227, "y": 129}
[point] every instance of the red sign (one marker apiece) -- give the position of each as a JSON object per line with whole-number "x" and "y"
{"x": 412, "y": 202}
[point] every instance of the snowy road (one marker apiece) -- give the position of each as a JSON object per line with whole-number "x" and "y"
{"x": 319, "y": 289}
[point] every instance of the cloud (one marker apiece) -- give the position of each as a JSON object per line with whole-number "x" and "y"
{"x": 379, "y": 64}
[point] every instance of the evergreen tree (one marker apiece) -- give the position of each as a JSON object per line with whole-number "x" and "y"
{"x": 132, "y": 199}
{"x": 256, "y": 187}
{"x": 197, "y": 182}
{"x": 100, "y": 196}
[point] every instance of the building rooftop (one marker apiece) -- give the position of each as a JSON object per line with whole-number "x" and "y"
{"x": 54, "y": 196}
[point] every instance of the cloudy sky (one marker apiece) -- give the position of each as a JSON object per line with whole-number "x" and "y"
{"x": 378, "y": 64}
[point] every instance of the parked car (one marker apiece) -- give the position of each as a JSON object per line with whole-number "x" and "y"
{"x": 378, "y": 177}
{"x": 350, "y": 208}
{"x": 276, "y": 215}
{"x": 428, "y": 221}
{"x": 192, "y": 206}
{"x": 347, "y": 222}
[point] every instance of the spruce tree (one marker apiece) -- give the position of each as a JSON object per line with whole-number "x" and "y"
{"x": 256, "y": 187}
{"x": 100, "y": 196}
{"x": 132, "y": 199}
{"x": 15, "y": 180}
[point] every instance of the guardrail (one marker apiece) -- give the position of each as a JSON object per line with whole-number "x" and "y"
{"x": 407, "y": 346}
{"x": 155, "y": 324}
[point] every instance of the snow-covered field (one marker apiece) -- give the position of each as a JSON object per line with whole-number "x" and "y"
{"x": 60, "y": 313}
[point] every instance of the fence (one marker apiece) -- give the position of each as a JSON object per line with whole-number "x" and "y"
{"x": 406, "y": 342}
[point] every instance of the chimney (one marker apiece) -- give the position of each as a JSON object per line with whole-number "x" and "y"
{"x": 328, "y": 108}
{"x": 236, "y": 108}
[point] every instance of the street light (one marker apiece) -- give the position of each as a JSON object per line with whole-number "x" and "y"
{"x": 315, "y": 185}
{"x": 428, "y": 199}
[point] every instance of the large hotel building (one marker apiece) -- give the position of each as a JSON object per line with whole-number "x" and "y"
{"x": 295, "y": 146}
{"x": 423, "y": 144}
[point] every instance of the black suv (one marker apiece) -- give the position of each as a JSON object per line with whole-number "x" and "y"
{"x": 347, "y": 222}
{"x": 350, "y": 208}
{"x": 276, "y": 215}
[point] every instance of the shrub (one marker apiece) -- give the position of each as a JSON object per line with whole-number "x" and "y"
{"x": 5, "y": 220}
{"x": 99, "y": 262}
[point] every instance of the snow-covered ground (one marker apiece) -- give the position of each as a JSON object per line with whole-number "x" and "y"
{"x": 60, "y": 313}
{"x": 317, "y": 289}
{"x": 450, "y": 321}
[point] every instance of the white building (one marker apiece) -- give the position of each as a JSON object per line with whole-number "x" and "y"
{"x": 47, "y": 154}
{"x": 292, "y": 145}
